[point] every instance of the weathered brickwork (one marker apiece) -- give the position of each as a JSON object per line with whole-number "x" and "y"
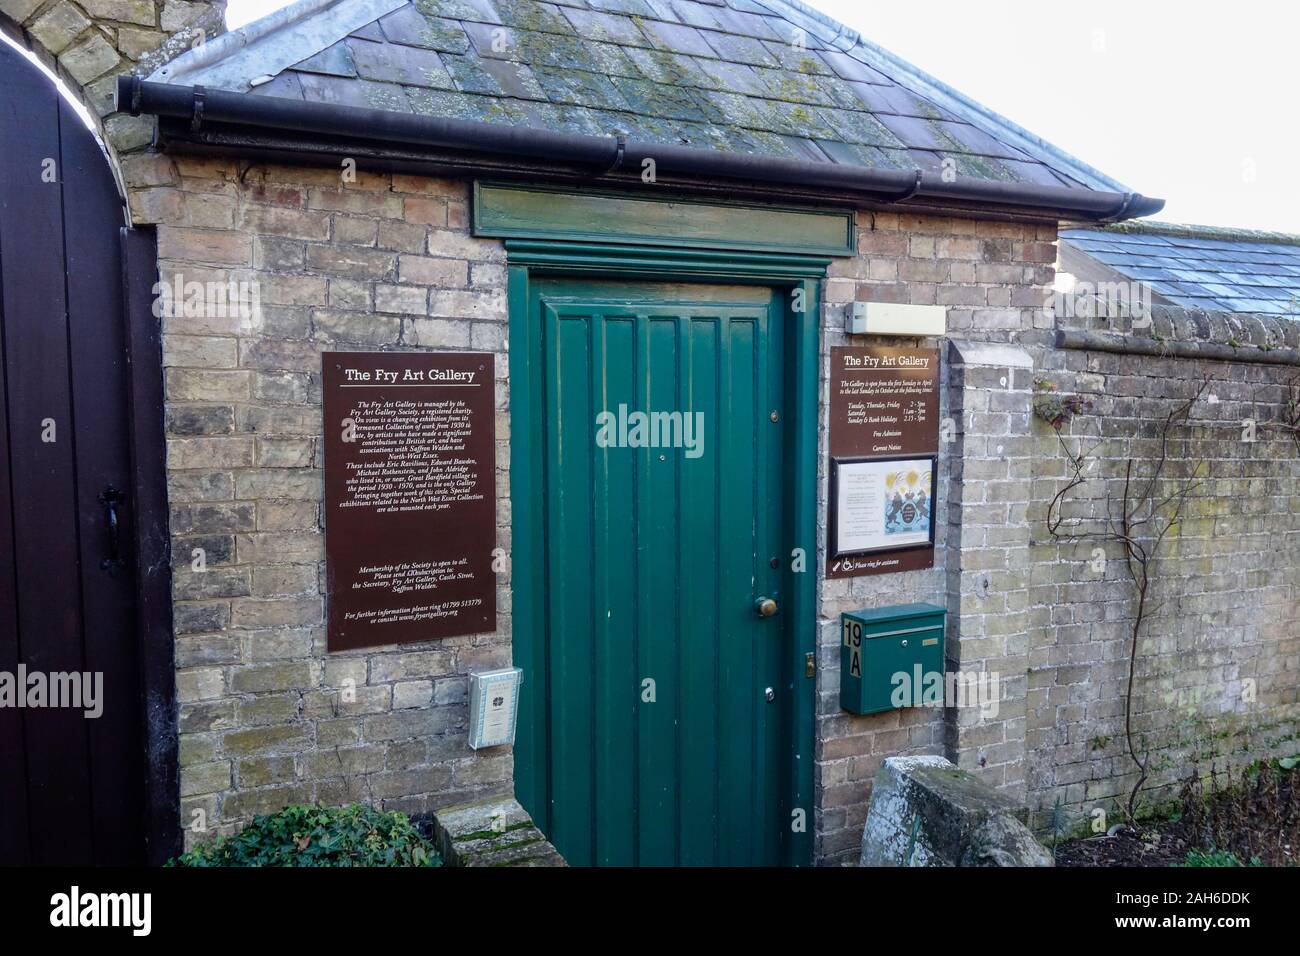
{"x": 1218, "y": 666}
{"x": 267, "y": 717}
{"x": 993, "y": 278}
{"x": 388, "y": 262}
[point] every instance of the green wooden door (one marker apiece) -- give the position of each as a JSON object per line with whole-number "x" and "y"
{"x": 663, "y": 744}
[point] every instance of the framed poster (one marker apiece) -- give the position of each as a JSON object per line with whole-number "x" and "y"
{"x": 882, "y": 504}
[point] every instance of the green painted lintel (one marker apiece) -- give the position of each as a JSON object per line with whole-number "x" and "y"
{"x": 532, "y": 212}
{"x": 580, "y": 257}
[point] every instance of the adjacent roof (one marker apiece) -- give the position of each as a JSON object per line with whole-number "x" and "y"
{"x": 760, "y": 77}
{"x": 1201, "y": 267}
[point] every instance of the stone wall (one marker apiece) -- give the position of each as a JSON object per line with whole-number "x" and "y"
{"x": 384, "y": 262}
{"x": 88, "y": 43}
{"x": 267, "y": 717}
{"x": 1218, "y": 666}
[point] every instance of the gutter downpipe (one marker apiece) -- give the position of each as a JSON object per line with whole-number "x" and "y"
{"x": 602, "y": 153}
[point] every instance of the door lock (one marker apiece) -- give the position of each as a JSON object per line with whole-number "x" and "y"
{"x": 769, "y": 695}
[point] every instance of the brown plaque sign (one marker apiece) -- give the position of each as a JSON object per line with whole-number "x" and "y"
{"x": 884, "y": 445}
{"x": 410, "y": 496}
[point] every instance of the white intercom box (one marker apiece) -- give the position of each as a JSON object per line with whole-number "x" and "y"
{"x": 494, "y": 706}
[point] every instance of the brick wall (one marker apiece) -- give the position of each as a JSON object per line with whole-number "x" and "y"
{"x": 267, "y": 718}
{"x": 388, "y": 262}
{"x": 1218, "y": 667}
{"x": 993, "y": 278}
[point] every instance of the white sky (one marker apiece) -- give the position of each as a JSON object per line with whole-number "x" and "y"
{"x": 1194, "y": 101}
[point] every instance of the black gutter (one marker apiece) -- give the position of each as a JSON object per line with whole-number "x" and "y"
{"x": 608, "y": 154}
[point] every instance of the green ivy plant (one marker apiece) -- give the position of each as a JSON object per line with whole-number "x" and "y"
{"x": 355, "y": 835}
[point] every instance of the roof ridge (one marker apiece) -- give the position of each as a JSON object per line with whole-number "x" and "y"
{"x": 1153, "y": 227}
{"x": 978, "y": 115}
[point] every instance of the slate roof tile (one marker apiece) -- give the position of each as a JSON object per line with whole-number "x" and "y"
{"x": 667, "y": 101}
{"x": 416, "y": 67}
{"x": 733, "y": 77}
{"x": 632, "y": 8}
{"x": 532, "y": 15}
{"x": 1029, "y": 172}
{"x": 579, "y": 88}
{"x": 341, "y": 91}
{"x": 661, "y": 67}
{"x": 859, "y": 127}
{"x": 751, "y": 6}
{"x": 1202, "y": 267}
{"x": 891, "y": 99}
{"x": 371, "y": 31}
{"x": 491, "y": 41}
{"x": 738, "y": 49}
{"x": 793, "y": 87}
{"x": 751, "y": 76}
{"x": 332, "y": 61}
{"x": 481, "y": 11}
{"x": 470, "y": 76}
{"x": 659, "y": 10}
{"x": 807, "y": 150}
{"x": 448, "y": 105}
{"x": 857, "y": 154}
{"x": 677, "y": 38}
{"x": 850, "y": 68}
{"x": 798, "y": 60}
{"x": 409, "y": 27}
{"x": 606, "y": 27}
{"x": 515, "y": 79}
{"x": 288, "y": 85}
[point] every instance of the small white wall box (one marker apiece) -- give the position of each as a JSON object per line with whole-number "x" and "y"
{"x": 887, "y": 318}
{"x": 494, "y": 706}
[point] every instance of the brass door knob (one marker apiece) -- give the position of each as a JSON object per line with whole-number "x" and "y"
{"x": 765, "y": 607}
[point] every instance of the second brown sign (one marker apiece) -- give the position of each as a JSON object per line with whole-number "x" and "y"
{"x": 884, "y": 443}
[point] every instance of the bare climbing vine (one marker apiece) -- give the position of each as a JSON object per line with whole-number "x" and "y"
{"x": 1139, "y": 520}
{"x": 1291, "y": 409}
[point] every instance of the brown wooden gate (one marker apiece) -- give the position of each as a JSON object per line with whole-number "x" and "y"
{"x": 73, "y": 789}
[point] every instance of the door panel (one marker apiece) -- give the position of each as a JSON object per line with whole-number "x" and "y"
{"x": 73, "y": 786}
{"x": 662, "y": 747}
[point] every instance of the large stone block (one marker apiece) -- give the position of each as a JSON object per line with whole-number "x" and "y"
{"x": 493, "y": 832}
{"x": 926, "y": 812}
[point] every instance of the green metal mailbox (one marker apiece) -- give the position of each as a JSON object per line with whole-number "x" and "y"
{"x": 880, "y": 643}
